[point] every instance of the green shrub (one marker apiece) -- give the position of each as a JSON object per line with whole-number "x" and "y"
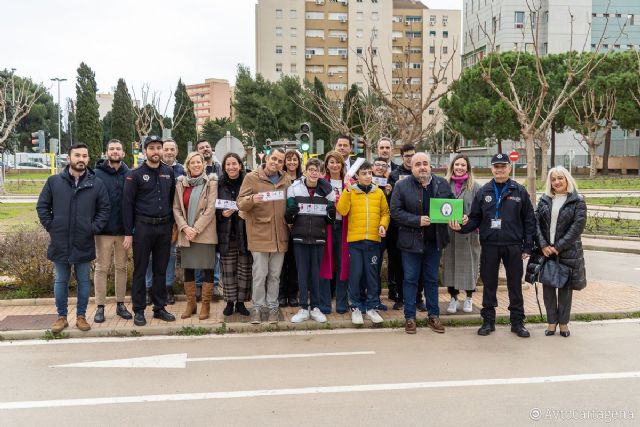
{"x": 24, "y": 257}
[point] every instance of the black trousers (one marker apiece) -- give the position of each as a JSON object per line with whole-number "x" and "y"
{"x": 511, "y": 257}
{"x": 289, "y": 275}
{"x": 558, "y": 303}
{"x": 395, "y": 275}
{"x": 150, "y": 240}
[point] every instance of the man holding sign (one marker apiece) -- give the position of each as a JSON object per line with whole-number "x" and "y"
{"x": 420, "y": 239}
{"x": 262, "y": 204}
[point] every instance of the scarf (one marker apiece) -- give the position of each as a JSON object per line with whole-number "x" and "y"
{"x": 459, "y": 181}
{"x": 197, "y": 184}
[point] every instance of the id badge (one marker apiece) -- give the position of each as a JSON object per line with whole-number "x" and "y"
{"x": 496, "y": 224}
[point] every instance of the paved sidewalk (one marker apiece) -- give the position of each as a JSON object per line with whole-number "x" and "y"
{"x": 600, "y": 243}
{"x": 597, "y": 298}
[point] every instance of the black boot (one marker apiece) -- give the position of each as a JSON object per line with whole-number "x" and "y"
{"x": 240, "y": 308}
{"x": 228, "y": 310}
{"x": 486, "y": 328}
{"x": 99, "y": 317}
{"x": 520, "y": 330}
{"x": 171, "y": 298}
{"x": 121, "y": 310}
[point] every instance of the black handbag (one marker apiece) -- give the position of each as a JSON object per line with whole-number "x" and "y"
{"x": 554, "y": 273}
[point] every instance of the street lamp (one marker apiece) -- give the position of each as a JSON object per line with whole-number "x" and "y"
{"x": 58, "y": 79}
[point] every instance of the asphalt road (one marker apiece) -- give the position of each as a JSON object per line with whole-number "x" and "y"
{"x": 457, "y": 378}
{"x": 613, "y": 267}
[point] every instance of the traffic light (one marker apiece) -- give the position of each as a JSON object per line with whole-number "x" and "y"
{"x": 135, "y": 149}
{"x": 37, "y": 140}
{"x": 267, "y": 146}
{"x": 358, "y": 145}
{"x": 305, "y": 137}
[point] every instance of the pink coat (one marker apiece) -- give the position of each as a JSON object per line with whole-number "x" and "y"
{"x": 327, "y": 266}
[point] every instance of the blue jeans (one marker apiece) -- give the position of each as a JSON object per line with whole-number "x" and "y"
{"x": 171, "y": 270}
{"x": 414, "y": 265}
{"x": 62, "y": 273}
{"x": 364, "y": 257}
{"x": 308, "y": 260}
{"x": 216, "y": 273}
{"x": 342, "y": 302}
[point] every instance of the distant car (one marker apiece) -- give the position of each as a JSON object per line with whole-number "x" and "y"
{"x": 7, "y": 165}
{"x": 31, "y": 165}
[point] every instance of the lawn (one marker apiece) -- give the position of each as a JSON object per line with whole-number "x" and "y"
{"x": 612, "y": 227}
{"x": 13, "y": 215}
{"x": 27, "y": 175}
{"x": 633, "y": 202}
{"x": 24, "y": 188}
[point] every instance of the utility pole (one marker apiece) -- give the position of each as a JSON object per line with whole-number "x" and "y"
{"x": 58, "y": 79}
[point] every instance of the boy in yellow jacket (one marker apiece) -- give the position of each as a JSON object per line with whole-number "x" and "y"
{"x": 368, "y": 212}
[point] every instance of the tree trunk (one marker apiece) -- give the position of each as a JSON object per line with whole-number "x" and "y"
{"x": 2, "y": 180}
{"x": 553, "y": 144}
{"x": 531, "y": 166}
{"x": 605, "y": 154}
{"x": 592, "y": 153}
{"x": 499, "y": 145}
{"x": 544, "y": 147}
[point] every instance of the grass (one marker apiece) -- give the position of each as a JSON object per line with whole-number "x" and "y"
{"x": 23, "y": 188}
{"x": 193, "y": 331}
{"x": 609, "y": 183}
{"x": 615, "y": 201}
{"x": 13, "y": 215}
{"x": 18, "y": 292}
{"x": 27, "y": 175}
{"x": 613, "y": 226}
{"x": 48, "y": 335}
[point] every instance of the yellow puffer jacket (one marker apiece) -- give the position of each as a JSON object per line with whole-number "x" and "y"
{"x": 366, "y": 211}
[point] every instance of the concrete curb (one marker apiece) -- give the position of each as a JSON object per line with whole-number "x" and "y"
{"x": 449, "y": 320}
{"x": 611, "y": 249}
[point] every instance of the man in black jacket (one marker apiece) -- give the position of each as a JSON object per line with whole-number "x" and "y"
{"x": 420, "y": 242}
{"x": 73, "y": 207}
{"x": 109, "y": 242}
{"x": 503, "y": 212}
{"x": 147, "y": 214}
{"x": 385, "y": 146}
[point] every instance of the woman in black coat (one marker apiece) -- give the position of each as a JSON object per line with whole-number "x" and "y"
{"x": 235, "y": 258}
{"x": 560, "y": 220}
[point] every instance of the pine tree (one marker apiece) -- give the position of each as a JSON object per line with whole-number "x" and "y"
{"x": 122, "y": 124}
{"x": 87, "y": 115}
{"x": 183, "y": 112}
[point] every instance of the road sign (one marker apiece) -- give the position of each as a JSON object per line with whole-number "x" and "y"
{"x": 514, "y": 156}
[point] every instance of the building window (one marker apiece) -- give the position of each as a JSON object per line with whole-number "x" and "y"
{"x": 445, "y": 20}
{"x": 445, "y": 34}
{"x": 293, "y": 31}
{"x": 431, "y": 64}
{"x": 519, "y": 19}
{"x": 314, "y": 15}
{"x": 294, "y": 68}
{"x": 293, "y": 14}
{"x": 338, "y": 17}
{"x": 444, "y": 80}
{"x": 359, "y": 68}
{"x": 396, "y": 18}
{"x": 359, "y": 33}
{"x": 359, "y": 51}
{"x": 278, "y": 67}
{"x": 415, "y": 65}
{"x": 413, "y": 34}
{"x": 374, "y": 33}
{"x": 396, "y": 65}
{"x": 415, "y": 50}
{"x": 432, "y": 33}
{"x": 432, "y": 111}
{"x": 413, "y": 18}
{"x": 293, "y": 50}
{"x": 546, "y": 17}
{"x": 432, "y": 49}
{"x": 279, "y": 50}
{"x": 278, "y": 31}
{"x": 433, "y": 20}
{"x": 374, "y": 51}
{"x": 445, "y": 50}
{"x": 279, "y": 13}
{"x": 314, "y": 33}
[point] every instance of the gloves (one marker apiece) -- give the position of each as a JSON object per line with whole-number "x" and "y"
{"x": 331, "y": 214}
{"x": 291, "y": 213}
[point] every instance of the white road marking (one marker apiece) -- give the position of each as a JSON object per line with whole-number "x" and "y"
{"x": 30, "y": 404}
{"x": 179, "y": 360}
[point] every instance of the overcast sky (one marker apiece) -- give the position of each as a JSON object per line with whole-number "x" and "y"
{"x": 152, "y": 41}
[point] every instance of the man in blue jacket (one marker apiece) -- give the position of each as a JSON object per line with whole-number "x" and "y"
{"x": 73, "y": 207}
{"x": 109, "y": 242}
{"x": 420, "y": 242}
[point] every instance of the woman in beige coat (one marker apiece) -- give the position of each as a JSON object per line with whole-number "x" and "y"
{"x": 194, "y": 212}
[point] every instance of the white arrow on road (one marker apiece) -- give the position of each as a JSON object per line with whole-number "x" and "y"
{"x": 179, "y": 360}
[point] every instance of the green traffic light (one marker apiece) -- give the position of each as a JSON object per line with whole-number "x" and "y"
{"x": 304, "y": 146}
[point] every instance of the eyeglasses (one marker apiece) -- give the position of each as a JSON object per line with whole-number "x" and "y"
{"x": 313, "y": 170}
{"x": 381, "y": 165}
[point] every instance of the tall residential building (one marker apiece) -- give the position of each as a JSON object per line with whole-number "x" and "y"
{"x": 332, "y": 39}
{"x": 105, "y": 103}
{"x": 211, "y": 100}
{"x": 506, "y": 25}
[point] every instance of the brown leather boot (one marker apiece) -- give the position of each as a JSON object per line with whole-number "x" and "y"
{"x": 207, "y": 292}
{"x": 190, "y": 291}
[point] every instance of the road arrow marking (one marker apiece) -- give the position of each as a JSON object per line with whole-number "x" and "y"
{"x": 179, "y": 360}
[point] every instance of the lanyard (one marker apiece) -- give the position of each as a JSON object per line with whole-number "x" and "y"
{"x": 499, "y": 197}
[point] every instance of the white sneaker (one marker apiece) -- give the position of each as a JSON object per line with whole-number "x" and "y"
{"x": 374, "y": 316}
{"x": 300, "y": 316}
{"x": 356, "y": 317}
{"x": 453, "y": 306}
{"x": 318, "y": 316}
{"x": 468, "y": 305}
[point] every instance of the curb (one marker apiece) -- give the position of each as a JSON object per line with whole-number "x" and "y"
{"x": 449, "y": 320}
{"x": 611, "y": 249}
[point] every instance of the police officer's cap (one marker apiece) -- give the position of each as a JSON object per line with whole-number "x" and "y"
{"x": 500, "y": 159}
{"x": 152, "y": 138}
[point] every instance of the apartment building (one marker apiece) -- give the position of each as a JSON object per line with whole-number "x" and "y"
{"x": 211, "y": 100}
{"x": 337, "y": 41}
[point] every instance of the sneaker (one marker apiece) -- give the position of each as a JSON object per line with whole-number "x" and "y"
{"x": 273, "y": 315}
{"x": 468, "y": 305}
{"x": 356, "y": 317}
{"x": 59, "y": 325}
{"x": 300, "y": 316}
{"x": 374, "y": 316}
{"x": 453, "y": 305}
{"x": 81, "y": 323}
{"x": 318, "y": 316}
{"x": 435, "y": 324}
{"x": 256, "y": 317}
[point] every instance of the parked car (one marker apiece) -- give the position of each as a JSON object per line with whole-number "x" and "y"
{"x": 31, "y": 165}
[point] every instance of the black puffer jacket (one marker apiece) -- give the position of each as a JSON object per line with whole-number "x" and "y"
{"x": 73, "y": 215}
{"x": 113, "y": 180}
{"x": 570, "y": 225}
{"x": 228, "y": 190}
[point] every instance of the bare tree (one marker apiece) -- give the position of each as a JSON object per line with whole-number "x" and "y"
{"x": 536, "y": 111}
{"x": 16, "y": 100}
{"x": 144, "y": 115}
{"x": 593, "y": 116}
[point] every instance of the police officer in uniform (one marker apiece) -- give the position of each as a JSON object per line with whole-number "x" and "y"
{"x": 503, "y": 212}
{"x": 148, "y": 217}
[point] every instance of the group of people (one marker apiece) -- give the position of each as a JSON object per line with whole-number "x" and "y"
{"x": 301, "y": 234}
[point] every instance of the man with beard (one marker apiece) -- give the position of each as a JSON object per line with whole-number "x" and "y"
{"x": 148, "y": 217}
{"x": 109, "y": 242}
{"x": 203, "y": 147}
{"x": 384, "y": 151}
{"x": 73, "y": 207}
{"x": 343, "y": 146}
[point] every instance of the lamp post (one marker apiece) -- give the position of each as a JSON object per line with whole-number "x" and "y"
{"x": 58, "y": 79}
